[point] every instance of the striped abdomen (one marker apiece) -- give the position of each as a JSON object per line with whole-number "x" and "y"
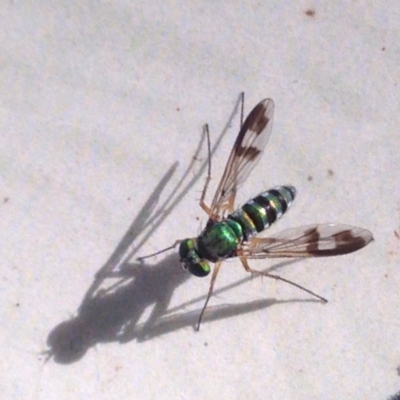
{"x": 263, "y": 210}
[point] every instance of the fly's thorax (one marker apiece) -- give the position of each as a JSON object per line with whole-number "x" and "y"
{"x": 220, "y": 240}
{"x": 263, "y": 210}
{"x": 191, "y": 260}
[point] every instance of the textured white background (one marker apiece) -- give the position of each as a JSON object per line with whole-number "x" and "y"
{"x": 98, "y": 102}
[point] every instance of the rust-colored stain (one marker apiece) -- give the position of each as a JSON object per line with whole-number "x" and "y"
{"x": 310, "y": 12}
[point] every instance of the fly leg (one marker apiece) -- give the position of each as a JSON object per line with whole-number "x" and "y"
{"x": 210, "y": 290}
{"x": 161, "y": 251}
{"x": 278, "y": 278}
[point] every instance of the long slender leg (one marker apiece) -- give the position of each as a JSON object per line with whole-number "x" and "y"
{"x": 203, "y": 205}
{"x": 206, "y": 131}
{"x": 210, "y": 290}
{"x": 278, "y": 278}
{"x": 161, "y": 251}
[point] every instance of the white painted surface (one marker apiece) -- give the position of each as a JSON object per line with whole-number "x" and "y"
{"x": 97, "y": 103}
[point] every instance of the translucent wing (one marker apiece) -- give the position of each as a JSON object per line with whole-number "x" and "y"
{"x": 310, "y": 241}
{"x": 246, "y": 152}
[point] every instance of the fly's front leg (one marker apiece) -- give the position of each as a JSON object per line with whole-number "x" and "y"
{"x": 210, "y": 290}
{"x": 160, "y": 251}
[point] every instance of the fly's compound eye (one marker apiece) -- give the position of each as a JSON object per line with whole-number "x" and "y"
{"x": 199, "y": 268}
{"x": 190, "y": 259}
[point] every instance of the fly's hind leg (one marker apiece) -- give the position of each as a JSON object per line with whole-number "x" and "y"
{"x": 210, "y": 290}
{"x": 278, "y": 278}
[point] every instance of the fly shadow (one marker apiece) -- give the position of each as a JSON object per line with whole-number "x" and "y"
{"x": 116, "y": 303}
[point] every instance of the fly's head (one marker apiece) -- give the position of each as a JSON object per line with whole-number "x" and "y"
{"x": 191, "y": 260}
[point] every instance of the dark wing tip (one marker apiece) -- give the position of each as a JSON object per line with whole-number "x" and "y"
{"x": 345, "y": 242}
{"x": 259, "y": 117}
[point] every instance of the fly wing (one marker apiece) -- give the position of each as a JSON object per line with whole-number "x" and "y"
{"x": 246, "y": 152}
{"x": 310, "y": 241}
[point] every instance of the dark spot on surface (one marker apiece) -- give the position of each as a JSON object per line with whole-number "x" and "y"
{"x": 178, "y": 109}
{"x": 383, "y": 48}
{"x": 396, "y": 234}
{"x": 309, "y": 178}
{"x": 310, "y": 12}
{"x": 5, "y": 200}
{"x": 330, "y": 173}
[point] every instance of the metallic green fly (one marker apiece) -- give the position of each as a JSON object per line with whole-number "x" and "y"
{"x": 232, "y": 233}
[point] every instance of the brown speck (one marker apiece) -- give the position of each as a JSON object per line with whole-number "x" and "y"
{"x": 5, "y": 200}
{"x": 396, "y": 234}
{"x": 205, "y": 344}
{"x": 383, "y": 48}
{"x": 129, "y": 199}
{"x": 310, "y": 12}
{"x": 330, "y": 173}
{"x": 309, "y": 178}
{"x": 178, "y": 109}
